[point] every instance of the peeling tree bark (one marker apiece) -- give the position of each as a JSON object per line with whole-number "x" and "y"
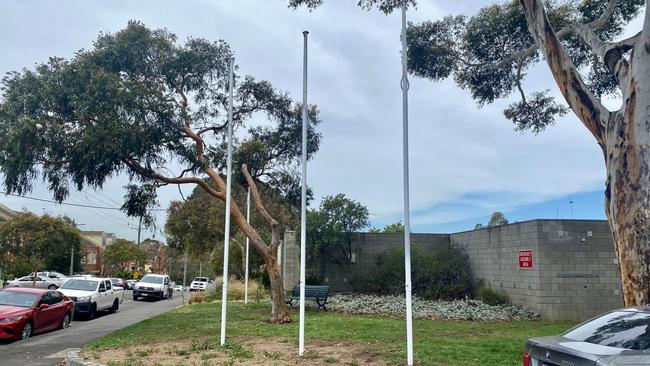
{"x": 623, "y": 135}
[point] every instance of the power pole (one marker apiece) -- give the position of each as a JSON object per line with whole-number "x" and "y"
{"x": 71, "y": 259}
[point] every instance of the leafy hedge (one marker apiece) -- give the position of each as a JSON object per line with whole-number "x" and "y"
{"x": 440, "y": 273}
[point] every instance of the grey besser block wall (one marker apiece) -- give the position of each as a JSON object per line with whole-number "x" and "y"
{"x": 574, "y": 275}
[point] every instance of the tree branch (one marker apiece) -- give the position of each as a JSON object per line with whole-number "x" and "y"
{"x": 260, "y": 206}
{"x": 134, "y": 165}
{"x": 586, "y": 106}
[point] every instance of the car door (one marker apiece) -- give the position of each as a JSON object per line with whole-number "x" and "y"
{"x": 43, "y": 317}
{"x": 110, "y": 297}
{"x": 58, "y": 308}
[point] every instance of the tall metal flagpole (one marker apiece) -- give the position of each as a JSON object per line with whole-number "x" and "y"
{"x": 303, "y": 200}
{"x": 226, "y": 242}
{"x": 407, "y": 223}
{"x": 248, "y": 220}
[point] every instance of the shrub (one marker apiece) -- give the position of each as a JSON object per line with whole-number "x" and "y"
{"x": 440, "y": 273}
{"x": 492, "y": 297}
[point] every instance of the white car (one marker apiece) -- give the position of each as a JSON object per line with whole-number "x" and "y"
{"x": 153, "y": 286}
{"x": 28, "y": 281}
{"x": 58, "y": 278}
{"x": 199, "y": 284}
{"x": 179, "y": 288}
{"x": 91, "y": 295}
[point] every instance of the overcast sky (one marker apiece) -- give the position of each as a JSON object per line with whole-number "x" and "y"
{"x": 466, "y": 162}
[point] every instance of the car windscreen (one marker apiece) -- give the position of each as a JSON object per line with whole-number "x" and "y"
{"x": 201, "y": 279}
{"x": 620, "y": 329}
{"x": 151, "y": 279}
{"x": 83, "y": 285}
{"x": 16, "y": 298}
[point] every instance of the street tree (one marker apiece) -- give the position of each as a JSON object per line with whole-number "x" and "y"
{"x": 497, "y": 218}
{"x": 29, "y": 242}
{"x": 582, "y": 42}
{"x": 330, "y": 231}
{"x": 121, "y": 255}
{"x": 139, "y": 103}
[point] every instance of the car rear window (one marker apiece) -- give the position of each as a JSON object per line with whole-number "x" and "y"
{"x": 620, "y": 329}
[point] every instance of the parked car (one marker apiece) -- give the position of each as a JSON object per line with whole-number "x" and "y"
{"x": 53, "y": 276}
{"x": 28, "y": 281}
{"x": 120, "y": 282}
{"x": 27, "y": 311}
{"x": 91, "y": 295}
{"x": 620, "y": 337}
{"x": 131, "y": 283}
{"x": 154, "y": 286}
{"x": 199, "y": 284}
{"x": 179, "y": 288}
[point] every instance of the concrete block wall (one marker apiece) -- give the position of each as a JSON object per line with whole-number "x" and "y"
{"x": 574, "y": 275}
{"x": 290, "y": 260}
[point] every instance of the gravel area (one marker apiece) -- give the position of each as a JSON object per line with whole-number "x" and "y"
{"x": 472, "y": 310}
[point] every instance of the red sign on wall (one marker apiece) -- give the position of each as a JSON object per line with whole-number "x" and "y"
{"x": 526, "y": 259}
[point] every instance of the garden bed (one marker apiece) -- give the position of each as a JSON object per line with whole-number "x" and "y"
{"x": 457, "y": 310}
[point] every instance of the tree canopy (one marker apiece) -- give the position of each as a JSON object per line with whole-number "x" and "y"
{"x": 29, "y": 243}
{"x": 138, "y": 103}
{"x": 121, "y": 255}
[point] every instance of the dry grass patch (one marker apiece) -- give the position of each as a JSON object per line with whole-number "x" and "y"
{"x": 240, "y": 351}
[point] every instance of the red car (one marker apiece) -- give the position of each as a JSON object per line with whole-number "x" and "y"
{"x": 26, "y": 311}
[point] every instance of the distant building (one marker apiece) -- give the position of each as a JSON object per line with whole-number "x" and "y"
{"x": 93, "y": 244}
{"x": 157, "y": 256}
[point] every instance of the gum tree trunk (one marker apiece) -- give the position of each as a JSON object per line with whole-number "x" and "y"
{"x": 623, "y": 135}
{"x": 627, "y": 156}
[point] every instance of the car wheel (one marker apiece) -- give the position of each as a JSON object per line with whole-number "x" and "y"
{"x": 66, "y": 321}
{"x": 51, "y": 287}
{"x": 115, "y": 307}
{"x": 27, "y": 331}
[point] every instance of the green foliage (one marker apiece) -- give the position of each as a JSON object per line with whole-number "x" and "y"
{"x": 394, "y": 228}
{"x": 492, "y": 297}
{"x": 497, "y": 219}
{"x": 139, "y": 102}
{"x": 119, "y": 256}
{"x": 330, "y": 229}
{"x": 485, "y": 53}
{"x": 440, "y": 273}
{"x": 30, "y": 243}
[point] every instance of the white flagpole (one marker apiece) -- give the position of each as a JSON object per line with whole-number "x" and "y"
{"x": 303, "y": 201}
{"x": 226, "y": 242}
{"x": 248, "y": 220}
{"x": 407, "y": 224}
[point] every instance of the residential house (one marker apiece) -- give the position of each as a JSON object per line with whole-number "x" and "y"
{"x": 93, "y": 244}
{"x": 7, "y": 214}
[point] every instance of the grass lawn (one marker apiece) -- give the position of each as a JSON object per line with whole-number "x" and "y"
{"x": 436, "y": 342}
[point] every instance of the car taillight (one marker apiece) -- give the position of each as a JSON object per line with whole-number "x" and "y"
{"x": 526, "y": 359}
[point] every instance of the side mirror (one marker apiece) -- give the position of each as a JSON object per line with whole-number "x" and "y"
{"x": 102, "y": 290}
{"x": 43, "y": 306}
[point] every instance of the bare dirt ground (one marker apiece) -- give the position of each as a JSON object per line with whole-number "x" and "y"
{"x": 240, "y": 351}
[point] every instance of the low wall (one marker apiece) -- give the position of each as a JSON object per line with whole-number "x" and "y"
{"x": 573, "y": 273}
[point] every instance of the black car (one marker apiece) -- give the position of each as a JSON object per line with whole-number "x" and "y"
{"x": 617, "y": 338}
{"x": 120, "y": 282}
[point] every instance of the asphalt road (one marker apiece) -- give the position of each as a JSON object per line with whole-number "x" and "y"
{"x": 35, "y": 350}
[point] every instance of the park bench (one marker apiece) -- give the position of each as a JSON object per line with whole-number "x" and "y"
{"x": 316, "y": 293}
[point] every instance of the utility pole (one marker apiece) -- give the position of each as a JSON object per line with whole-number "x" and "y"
{"x": 184, "y": 274}
{"x": 571, "y": 204}
{"x": 71, "y": 260}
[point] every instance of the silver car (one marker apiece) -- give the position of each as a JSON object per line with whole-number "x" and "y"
{"x": 617, "y": 338}
{"x": 28, "y": 281}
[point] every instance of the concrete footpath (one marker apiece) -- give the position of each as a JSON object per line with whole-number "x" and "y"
{"x": 51, "y": 348}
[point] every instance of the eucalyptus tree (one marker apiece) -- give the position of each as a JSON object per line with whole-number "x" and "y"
{"x": 139, "y": 103}
{"x": 583, "y": 43}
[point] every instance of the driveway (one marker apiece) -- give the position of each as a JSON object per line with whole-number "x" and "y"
{"x": 35, "y": 351}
